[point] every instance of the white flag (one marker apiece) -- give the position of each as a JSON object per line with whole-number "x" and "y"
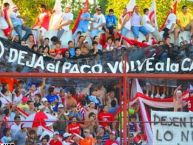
{"x": 131, "y": 5}
{"x": 152, "y": 13}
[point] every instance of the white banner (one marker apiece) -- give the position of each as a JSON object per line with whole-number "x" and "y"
{"x": 172, "y": 128}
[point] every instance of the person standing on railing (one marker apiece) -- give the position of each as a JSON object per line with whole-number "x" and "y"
{"x": 6, "y": 7}
{"x": 64, "y": 26}
{"x": 184, "y": 22}
{"x": 136, "y": 25}
{"x": 18, "y": 25}
{"x": 84, "y": 21}
{"x": 4, "y": 26}
{"x": 42, "y": 23}
{"x": 98, "y": 22}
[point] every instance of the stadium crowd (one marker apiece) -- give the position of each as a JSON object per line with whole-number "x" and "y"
{"x": 94, "y": 34}
{"x": 90, "y": 114}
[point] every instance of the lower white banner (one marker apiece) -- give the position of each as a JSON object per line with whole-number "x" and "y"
{"x": 172, "y": 128}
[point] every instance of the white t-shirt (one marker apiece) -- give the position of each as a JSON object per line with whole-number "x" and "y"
{"x": 171, "y": 20}
{"x": 67, "y": 17}
{"x": 127, "y": 24}
{"x": 98, "y": 20}
{"x": 3, "y": 23}
{"x": 148, "y": 26}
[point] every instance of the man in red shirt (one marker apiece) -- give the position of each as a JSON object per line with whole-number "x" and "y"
{"x": 74, "y": 127}
{"x": 55, "y": 140}
{"x": 105, "y": 118}
{"x": 112, "y": 140}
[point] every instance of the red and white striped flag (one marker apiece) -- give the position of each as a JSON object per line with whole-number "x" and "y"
{"x": 152, "y": 13}
{"x": 131, "y": 5}
{"x": 82, "y": 109}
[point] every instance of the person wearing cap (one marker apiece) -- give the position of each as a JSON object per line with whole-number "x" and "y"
{"x": 99, "y": 22}
{"x": 16, "y": 126}
{"x": 23, "y": 105}
{"x": 18, "y": 25}
{"x": 67, "y": 17}
{"x": 170, "y": 23}
{"x": 112, "y": 140}
{"x": 61, "y": 123}
{"x": 67, "y": 138}
{"x": 55, "y": 140}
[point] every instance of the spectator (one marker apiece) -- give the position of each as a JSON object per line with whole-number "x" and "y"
{"x": 35, "y": 48}
{"x": 7, "y": 138}
{"x": 55, "y": 140}
{"x": 125, "y": 22}
{"x": 105, "y": 118}
{"x": 53, "y": 98}
{"x": 30, "y": 41}
{"x": 97, "y": 39}
{"x": 44, "y": 141}
{"x": 88, "y": 140}
{"x": 111, "y": 22}
{"x": 31, "y": 109}
{"x": 71, "y": 49}
{"x": 67, "y": 54}
{"x": 4, "y": 25}
{"x": 67, "y": 20}
{"x": 109, "y": 44}
{"x": 74, "y": 126}
{"x": 23, "y": 105}
{"x": 21, "y": 136}
{"x": 46, "y": 51}
{"x": 18, "y": 24}
{"x": 149, "y": 25}
{"x": 42, "y": 22}
{"x": 84, "y": 49}
{"x": 70, "y": 101}
{"x": 184, "y": 22}
{"x": 67, "y": 139}
{"x": 84, "y": 21}
{"x": 98, "y": 22}
{"x": 112, "y": 140}
{"x": 6, "y": 7}
{"x": 136, "y": 20}
{"x": 62, "y": 116}
{"x": 170, "y": 24}
{"x": 78, "y": 53}
{"x": 31, "y": 140}
{"x": 15, "y": 127}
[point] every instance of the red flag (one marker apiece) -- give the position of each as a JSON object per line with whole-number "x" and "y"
{"x": 152, "y": 13}
{"x": 174, "y": 9}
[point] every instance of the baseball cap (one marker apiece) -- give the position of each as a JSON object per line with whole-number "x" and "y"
{"x": 56, "y": 133}
{"x": 67, "y": 135}
{"x": 61, "y": 106}
{"x": 44, "y": 99}
{"x": 24, "y": 99}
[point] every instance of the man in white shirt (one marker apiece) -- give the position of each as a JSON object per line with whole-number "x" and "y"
{"x": 150, "y": 26}
{"x": 170, "y": 24}
{"x": 16, "y": 126}
{"x": 98, "y": 23}
{"x": 66, "y": 22}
